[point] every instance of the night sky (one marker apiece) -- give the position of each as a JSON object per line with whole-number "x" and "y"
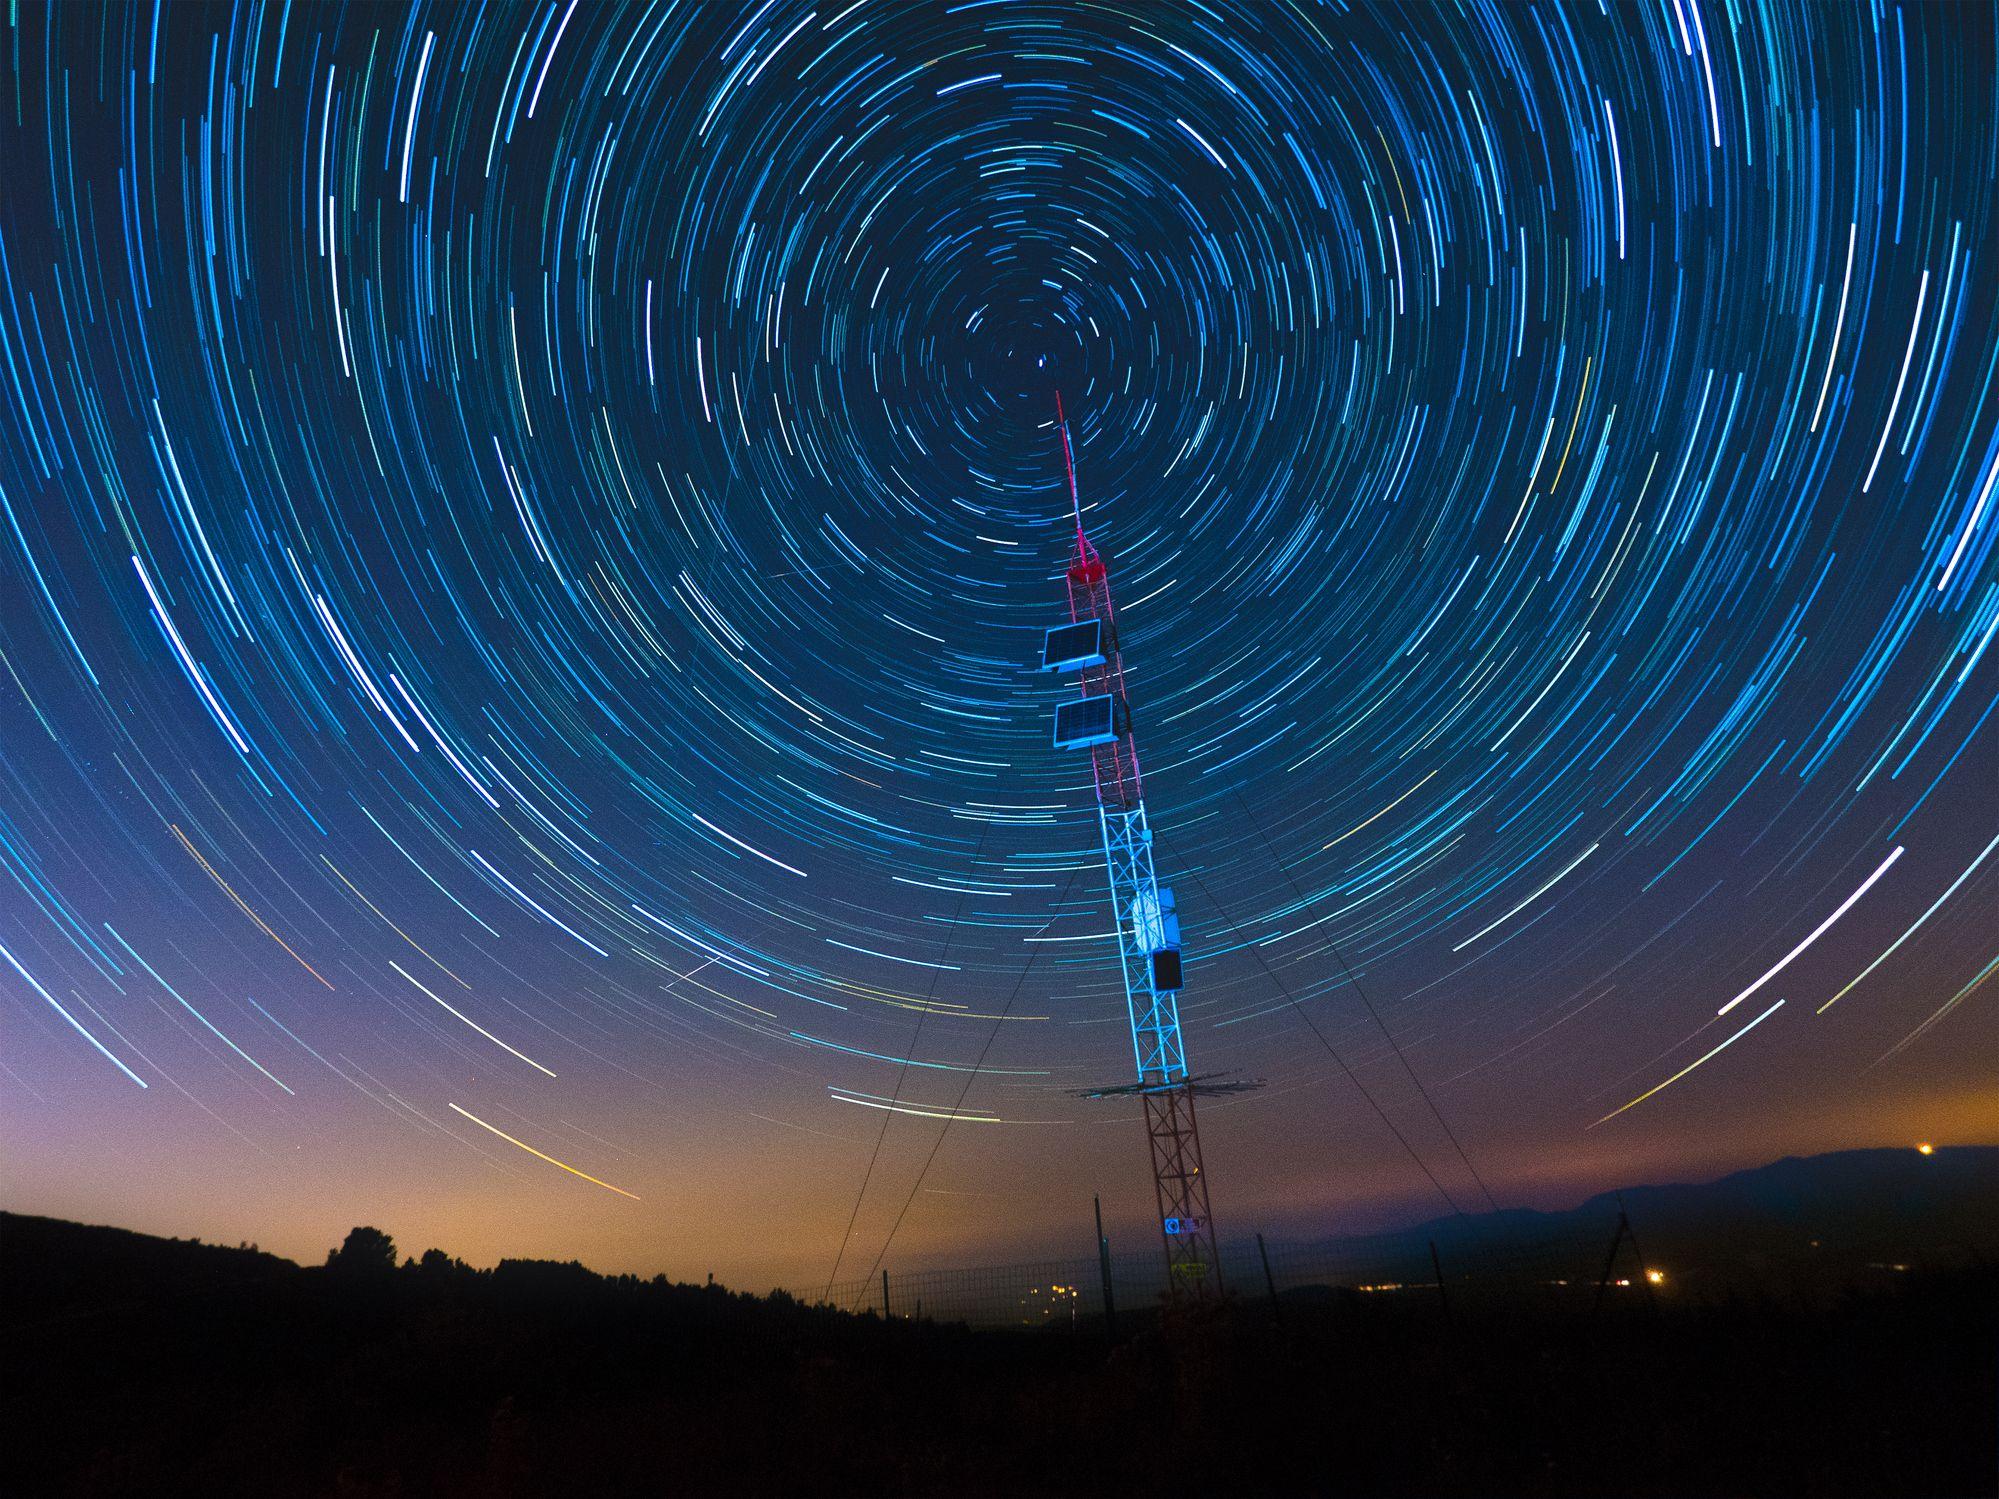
{"x": 527, "y": 532}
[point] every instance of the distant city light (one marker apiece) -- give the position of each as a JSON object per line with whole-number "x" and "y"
{"x": 1926, "y": 1149}
{"x": 1657, "y": 1277}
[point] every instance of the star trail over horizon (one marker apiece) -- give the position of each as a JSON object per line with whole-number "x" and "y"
{"x": 527, "y": 531}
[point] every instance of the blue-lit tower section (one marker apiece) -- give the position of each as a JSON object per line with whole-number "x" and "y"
{"x": 1098, "y": 721}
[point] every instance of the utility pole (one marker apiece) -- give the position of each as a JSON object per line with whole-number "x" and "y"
{"x": 1617, "y": 1239}
{"x": 1269, "y": 1280}
{"x": 1443, "y": 1296}
{"x": 1104, "y": 1270}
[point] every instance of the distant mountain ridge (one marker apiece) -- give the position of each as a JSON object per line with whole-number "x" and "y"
{"x": 1950, "y": 1194}
{"x": 1847, "y": 1209}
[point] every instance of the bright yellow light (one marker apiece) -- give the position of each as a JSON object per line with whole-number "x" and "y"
{"x": 1926, "y": 1149}
{"x": 1657, "y": 1277}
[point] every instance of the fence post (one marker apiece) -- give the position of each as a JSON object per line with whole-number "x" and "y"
{"x": 1269, "y": 1281}
{"x": 884, "y": 1295}
{"x": 1104, "y": 1269}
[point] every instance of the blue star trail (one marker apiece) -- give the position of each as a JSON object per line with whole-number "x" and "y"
{"x": 527, "y": 530}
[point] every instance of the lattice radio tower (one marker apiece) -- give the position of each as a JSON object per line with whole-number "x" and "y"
{"x": 1148, "y": 929}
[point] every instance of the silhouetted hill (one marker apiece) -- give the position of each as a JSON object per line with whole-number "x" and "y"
{"x": 53, "y": 1266}
{"x": 1806, "y": 1224}
{"x": 1853, "y": 1202}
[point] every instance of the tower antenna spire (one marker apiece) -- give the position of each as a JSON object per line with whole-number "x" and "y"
{"x": 1069, "y": 468}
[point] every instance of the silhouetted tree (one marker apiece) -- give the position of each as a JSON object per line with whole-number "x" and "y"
{"x": 366, "y": 1251}
{"x": 436, "y": 1264}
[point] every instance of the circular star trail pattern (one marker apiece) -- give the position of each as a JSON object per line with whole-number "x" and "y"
{"x": 527, "y": 531}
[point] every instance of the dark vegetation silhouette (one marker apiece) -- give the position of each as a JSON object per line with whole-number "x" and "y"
{"x": 138, "y": 1365}
{"x": 367, "y": 1251}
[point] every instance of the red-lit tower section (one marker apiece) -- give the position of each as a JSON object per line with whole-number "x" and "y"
{"x": 1148, "y": 928}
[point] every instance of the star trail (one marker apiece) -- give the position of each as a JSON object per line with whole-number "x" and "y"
{"x": 528, "y": 531}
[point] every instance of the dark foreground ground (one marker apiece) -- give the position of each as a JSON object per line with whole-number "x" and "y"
{"x": 145, "y": 1366}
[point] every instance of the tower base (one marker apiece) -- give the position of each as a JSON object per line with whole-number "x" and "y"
{"x": 1193, "y": 1269}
